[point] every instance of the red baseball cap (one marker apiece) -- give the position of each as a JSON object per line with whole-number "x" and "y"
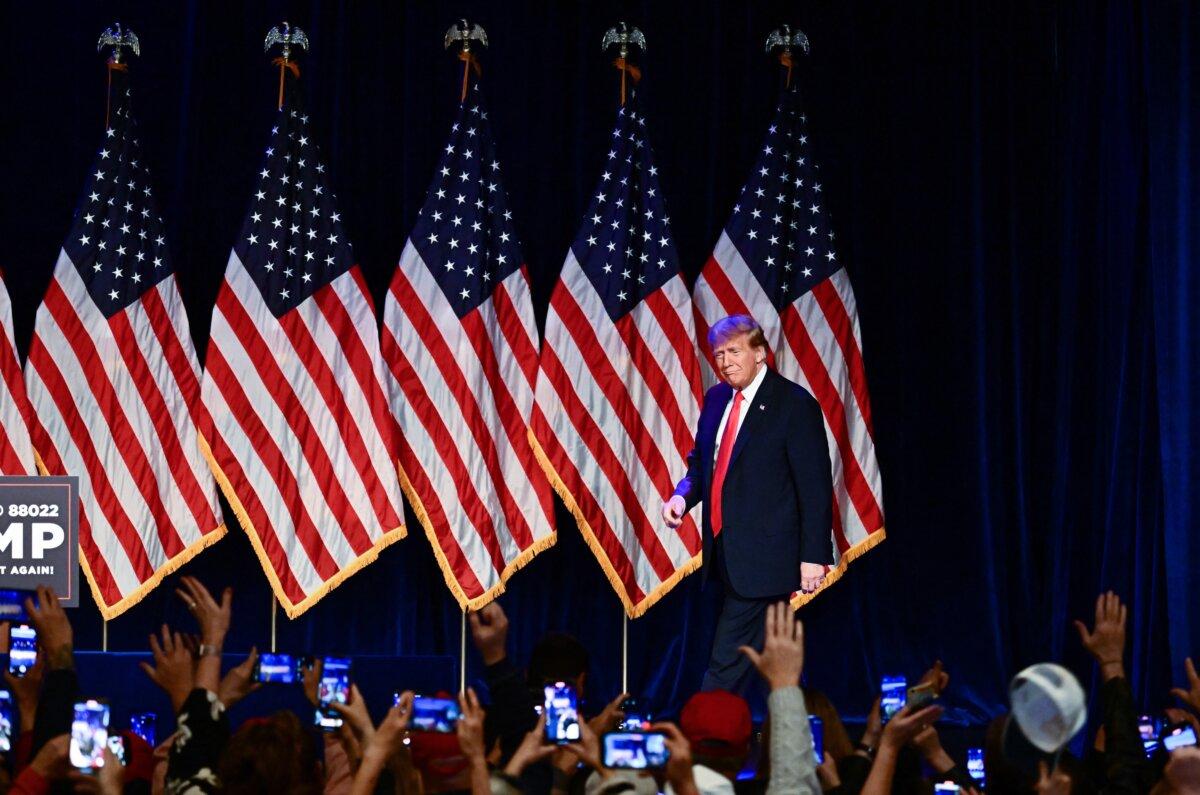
{"x": 717, "y": 723}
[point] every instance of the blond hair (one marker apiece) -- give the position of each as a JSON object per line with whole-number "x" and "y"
{"x": 727, "y": 328}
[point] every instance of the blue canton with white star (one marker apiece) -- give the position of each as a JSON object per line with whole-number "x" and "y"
{"x": 292, "y": 241}
{"x": 780, "y": 225}
{"x": 464, "y": 232}
{"x": 625, "y": 245}
{"x": 117, "y": 241}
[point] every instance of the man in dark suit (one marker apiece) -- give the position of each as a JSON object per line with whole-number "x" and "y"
{"x": 761, "y": 467}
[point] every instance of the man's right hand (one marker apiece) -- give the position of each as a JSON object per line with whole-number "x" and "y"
{"x": 489, "y": 631}
{"x": 673, "y": 511}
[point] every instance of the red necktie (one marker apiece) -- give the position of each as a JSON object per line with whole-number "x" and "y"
{"x": 723, "y": 454}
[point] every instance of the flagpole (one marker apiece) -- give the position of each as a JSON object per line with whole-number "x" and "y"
{"x": 104, "y": 635}
{"x": 624, "y": 651}
{"x": 274, "y": 609}
{"x": 462, "y": 653}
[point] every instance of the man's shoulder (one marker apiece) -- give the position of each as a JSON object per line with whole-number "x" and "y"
{"x": 718, "y": 391}
{"x": 790, "y": 390}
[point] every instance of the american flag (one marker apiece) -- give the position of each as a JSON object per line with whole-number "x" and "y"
{"x": 618, "y": 394}
{"x": 114, "y": 384}
{"x": 461, "y": 345}
{"x": 16, "y": 449}
{"x": 777, "y": 261}
{"x": 301, "y": 439}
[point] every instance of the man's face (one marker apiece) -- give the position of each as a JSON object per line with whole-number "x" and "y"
{"x": 737, "y": 361}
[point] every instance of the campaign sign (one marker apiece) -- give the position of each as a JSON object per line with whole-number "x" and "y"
{"x": 39, "y": 535}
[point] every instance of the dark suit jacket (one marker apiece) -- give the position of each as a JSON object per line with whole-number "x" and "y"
{"x": 777, "y": 501}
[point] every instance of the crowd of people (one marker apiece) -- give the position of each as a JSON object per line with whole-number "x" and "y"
{"x": 502, "y": 747}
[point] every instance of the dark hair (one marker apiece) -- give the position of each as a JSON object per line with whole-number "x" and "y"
{"x": 557, "y": 657}
{"x": 275, "y": 755}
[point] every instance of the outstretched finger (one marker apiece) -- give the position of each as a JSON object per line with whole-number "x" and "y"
{"x": 754, "y": 656}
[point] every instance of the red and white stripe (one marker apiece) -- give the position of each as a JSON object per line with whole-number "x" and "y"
{"x": 16, "y": 450}
{"x": 815, "y": 342}
{"x": 462, "y": 393}
{"x": 300, "y": 435}
{"x": 617, "y": 405}
{"x": 116, "y": 402}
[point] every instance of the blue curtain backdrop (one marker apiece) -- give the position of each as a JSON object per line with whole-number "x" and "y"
{"x": 1014, "y": 183}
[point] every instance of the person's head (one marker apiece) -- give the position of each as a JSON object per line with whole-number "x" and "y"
{"x": 558, "y": 657}
{"x": 717, "y": 725}
{"x": 270, "y": 755}
{"x": 440, "y": 760}
{"x": 739, "y": 349}
{"x": 836, "y": 738}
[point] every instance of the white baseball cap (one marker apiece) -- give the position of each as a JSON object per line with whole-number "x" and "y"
{"x": 1048, "y": 705}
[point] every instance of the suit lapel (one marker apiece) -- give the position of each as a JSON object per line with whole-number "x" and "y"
{"x": 758, "y": 410}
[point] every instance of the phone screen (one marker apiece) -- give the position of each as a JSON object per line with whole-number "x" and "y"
{"x": 89, "y": 734}
{"x": 116, "y": 744}
{"x": 145, "y": 725}
{"x": 334, "y": 686}
{"x": 431, "y": 714}
{"x": 6, "y": 721}
{"x": 635, "y": 750}
{"x": 562, "y": 713}
{"x": 1149, "y": 728}
{"x": 947, "y": 786}
{"x": 12, "y": 605}
{"x": 636, "y": 718}
{"x": 1179, "y": 736}
{"x": 818, "y": 736}
{"x": 277, "y": 669}
{"x": 22, "y": 652}
{"x": 894, "y": 693}
{"x": 975, "y": 767}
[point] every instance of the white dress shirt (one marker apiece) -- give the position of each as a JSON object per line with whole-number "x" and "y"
{"x": 748, "y": 396}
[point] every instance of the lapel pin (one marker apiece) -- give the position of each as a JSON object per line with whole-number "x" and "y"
{"x": 762, "y": 406}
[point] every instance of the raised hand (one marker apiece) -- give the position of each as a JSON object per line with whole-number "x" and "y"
{"x": 213, "y": 617}
{"x": 311, "y": 680}
{"x": 55, "y": 637}
{"x": 782, "y": 658}
{"x": 936, "y": 676}
{"x": 905, "y": 725}
{"x": 1183, "y": 770}
{"x": 1106, "y": 640}
{"x": 354, "y": 713}
{"x": 1191, "y": 696}
{"x": 610, "y": 717}
{"x": 679, "y": 763}
{"x": 237, "y": 683}
{"x": 489, "y": 632}
{"x": 173, "y": 668}
{"x": 27, "y": 690}
{"x": 533, "y": 749}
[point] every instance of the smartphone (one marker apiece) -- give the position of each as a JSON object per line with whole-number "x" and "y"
{"x": 116, "y": 744}
{"x": 430, "y": 714}
{"x": 947, "y": 786}
{"x": 921, "y": 696}
{"x": 12, "y": 605}
{"x": 635, "y": 750}
{"x": 1149, "y": 728}
{"x": 89, "y": 734}
{"x": 562, "y": 713}
{"x": 975, "y": 768}
{"x": 818, "y": 736}
{"x": 1181, "y": 735}
{"x": 636, "y": 718}
{"x": 893, "y": 692}
{"x": 6, "y": 721}
{"x": 334, "y": 686}
{"x": 145, "y": 725}
{"x": 22, "y": 649}
{"x": 277, "y": 669}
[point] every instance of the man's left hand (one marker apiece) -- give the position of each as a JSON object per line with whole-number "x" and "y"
{"x": 811, "y": 576}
